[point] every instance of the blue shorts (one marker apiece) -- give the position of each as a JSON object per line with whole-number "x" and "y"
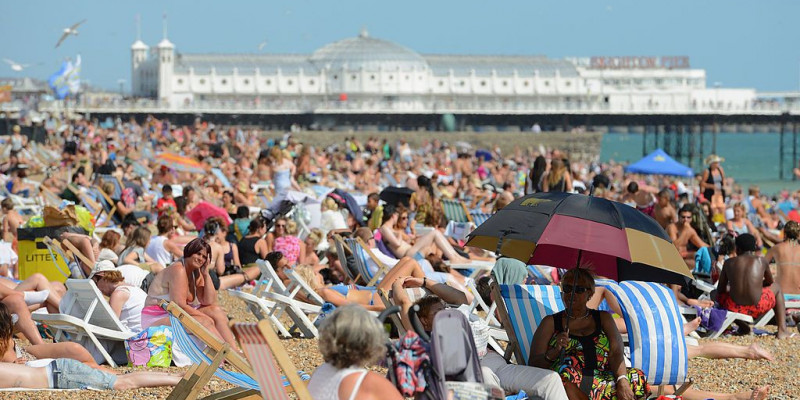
{"x": 73, "y": 374}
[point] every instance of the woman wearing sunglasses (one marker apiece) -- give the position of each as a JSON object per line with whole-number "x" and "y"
{"x": 583, "y": 341}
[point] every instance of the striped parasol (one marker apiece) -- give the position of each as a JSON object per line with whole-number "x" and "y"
{"x": 567, "y": 230}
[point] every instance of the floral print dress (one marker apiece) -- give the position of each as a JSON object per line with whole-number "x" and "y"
{"x": 588, "y": 356}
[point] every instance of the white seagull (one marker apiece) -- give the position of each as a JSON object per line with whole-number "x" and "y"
{"x": 72, "y": 30}
{"x": 16, "y": 66}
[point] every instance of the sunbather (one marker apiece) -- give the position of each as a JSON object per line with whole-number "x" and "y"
{"x": 225, "y": 269}
{"x": 402, "y": 245}
{"x": 66, "y": 373}
{"x": 37, "y": 291}
{"x": 187, "y": 283}
{"x": 127, "y": 301}
{"x": 752, "y": 291}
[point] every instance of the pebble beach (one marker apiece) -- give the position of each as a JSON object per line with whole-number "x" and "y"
{"x": 723, "y": 376}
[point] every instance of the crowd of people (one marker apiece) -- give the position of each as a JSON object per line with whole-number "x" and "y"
{"x": 156, "y": 251}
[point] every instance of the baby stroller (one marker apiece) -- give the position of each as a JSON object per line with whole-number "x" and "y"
{"x": 451, "y": 369}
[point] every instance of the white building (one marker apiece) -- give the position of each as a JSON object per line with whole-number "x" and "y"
{"x": 364, "y": 74}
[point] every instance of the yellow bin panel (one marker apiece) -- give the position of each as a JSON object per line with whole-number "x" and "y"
{"x": 35, "y": 257}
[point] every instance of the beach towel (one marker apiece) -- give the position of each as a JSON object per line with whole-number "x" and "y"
{"x": 711, "y": 318}
{"x": 411, "y": 360}
{"x": 509, "y": 271}
{"x": 151, "y": 347}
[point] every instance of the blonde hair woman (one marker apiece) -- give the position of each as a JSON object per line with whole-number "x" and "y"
{"x": 350, "y": 339}
{"x": 558, "y": 178}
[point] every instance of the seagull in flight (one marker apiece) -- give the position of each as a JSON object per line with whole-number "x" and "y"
{"x": 72, "y": 30}
{"x": 15, "y": 65}
{"x": 262, "y": 45}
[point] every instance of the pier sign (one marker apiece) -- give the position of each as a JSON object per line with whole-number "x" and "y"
{"x": 646, "y": 62}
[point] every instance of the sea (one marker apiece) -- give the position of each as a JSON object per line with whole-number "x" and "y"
{"x": 750, "y": 158}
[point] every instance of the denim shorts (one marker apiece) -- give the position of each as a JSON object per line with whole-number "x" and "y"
{"x": 73, "y": 374}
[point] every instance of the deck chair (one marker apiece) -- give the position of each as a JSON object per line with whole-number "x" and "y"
{"x": 496, "y": 331}
{"x": 362, "y": 255}
{"x": 57, "y": 249}
{"x": 479, "y": 218}
{"x": 118, "y": 185}
{"x": 655, "y": 332}
{"x": 208, "y": 362}
{"x": 49, "y": 198}
{"x": 85, "y": 313}
{"x": 264, "y": 350}
{"x": 263, "y": 309}
{"x": 102, "y": 216}
{"x": 341, "y": 251}
{"x": 521, "y": 308}
{"x": 731, "y": 317}
{"x": 271, "y": 288}
{"x": 456, "y": 211}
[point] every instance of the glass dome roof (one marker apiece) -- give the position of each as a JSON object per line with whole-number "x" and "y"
{"x": 368, "y": 53}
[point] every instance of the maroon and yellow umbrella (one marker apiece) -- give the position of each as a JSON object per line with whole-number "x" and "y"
{"x": 567, "y": 230}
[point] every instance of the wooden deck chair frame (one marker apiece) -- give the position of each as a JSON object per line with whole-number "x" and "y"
{"x": 55, "y": 246}
{"x": 94, "y": 207}
{"x": 198, "y": 375}
{"x": 49, "y": 197}
{"x": 264, "y": 350}
{"x": 513, "y": 348}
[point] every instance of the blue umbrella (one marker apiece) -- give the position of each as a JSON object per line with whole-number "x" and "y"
{"x": 486, "y": 155}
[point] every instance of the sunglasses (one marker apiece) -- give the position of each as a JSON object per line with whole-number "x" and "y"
{"x": 686, "y": 217}
{"x": 577, "y": 289}
{"x": 404, "y": 218}
{"x": 280, "y": 226}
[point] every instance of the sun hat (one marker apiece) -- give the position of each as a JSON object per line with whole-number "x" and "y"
{"x": 102, "y": 266}
{"x": 714, "y": 158}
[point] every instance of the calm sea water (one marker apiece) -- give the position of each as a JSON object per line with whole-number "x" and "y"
{"x": 750, "y": 158}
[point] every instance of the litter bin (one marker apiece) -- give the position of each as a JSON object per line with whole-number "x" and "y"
{"x": 35, "y": 256}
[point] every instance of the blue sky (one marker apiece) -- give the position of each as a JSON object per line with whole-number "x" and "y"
{"x": 739, "y": 43}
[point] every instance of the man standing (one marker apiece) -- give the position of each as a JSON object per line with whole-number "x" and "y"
{"x": 664, "y": 213}
{"x": 753, "y": 291}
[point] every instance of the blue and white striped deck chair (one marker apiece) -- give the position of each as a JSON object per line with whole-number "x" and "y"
{"x": 655, "y": 331}
{"x": 521, "y": 310}
{"x": 362, "y": 262}
{"x": 479, "y": 217}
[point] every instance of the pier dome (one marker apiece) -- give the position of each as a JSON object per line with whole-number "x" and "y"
{"x": 368, "y": 53}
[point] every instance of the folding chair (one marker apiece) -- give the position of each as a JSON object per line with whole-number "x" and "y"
{"x": 731, "y": 317}
{"x": 263, "y": 349}
{"x": 360, "y": 253}
{"x": 766, "y": 318}
{"x": 455, "y": 211}
{"x": 86, "y": 313}
{"x": 263, "y": 309}
{"x": 655, "y": 332}
{"x": 206, "y": 363}
{"x": 521, "y": 308}
{"x": 341, "y": 249}
{"x": 479, "y": 218}
{"x": 272, "y": 289}
{"x": 57, "y": 249}
{"x": 414, "y": 294}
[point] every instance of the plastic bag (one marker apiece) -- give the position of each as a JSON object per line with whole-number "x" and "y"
{"x": 151, "y": 347}
{"x": 85, "y": 219}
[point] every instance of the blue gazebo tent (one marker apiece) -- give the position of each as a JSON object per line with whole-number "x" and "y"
{"x": 659, "y": 163}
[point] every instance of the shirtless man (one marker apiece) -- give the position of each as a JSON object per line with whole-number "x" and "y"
{"x": 681, "y": 233}
{"x": 11, "y": 222}
{"x": 640, "y": 197}
{"x": 663, "y": 212}
{"x": 752, "y": 291}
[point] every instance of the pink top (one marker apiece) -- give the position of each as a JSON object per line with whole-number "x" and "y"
{"x": 289, "y": 246}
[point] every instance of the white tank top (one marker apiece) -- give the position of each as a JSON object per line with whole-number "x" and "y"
{"x": 157, "y": 251}
{"x": 325, "y": 381}
{"x": 131, "y": 314}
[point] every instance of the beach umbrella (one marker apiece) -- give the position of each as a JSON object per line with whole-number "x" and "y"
{"x": 569, "y": 230}
{"x": 205, "y": 210}
{"x": 180, "y": 163}
{"x": 397, "y": 195}
{"x": 486, "y": 155}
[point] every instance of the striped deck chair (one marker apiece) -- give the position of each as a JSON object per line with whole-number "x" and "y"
{"x": 118, "y": 186}
{"x": 521, "y": 309}
{"x": 455, "y": 211}
{"x": 479, "y": 217}
{"x": 264, "y": 350}
{"x": 362, "y": 256}
{"x": 655, "y": 332}
{"x": 341, "y": 251}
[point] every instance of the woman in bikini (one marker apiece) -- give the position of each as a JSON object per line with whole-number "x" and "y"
{"x": 401, "y": 245}
{"x": 187, "y": 283}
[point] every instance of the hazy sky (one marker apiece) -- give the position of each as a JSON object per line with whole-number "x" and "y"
{"x": 739, "y": 43}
